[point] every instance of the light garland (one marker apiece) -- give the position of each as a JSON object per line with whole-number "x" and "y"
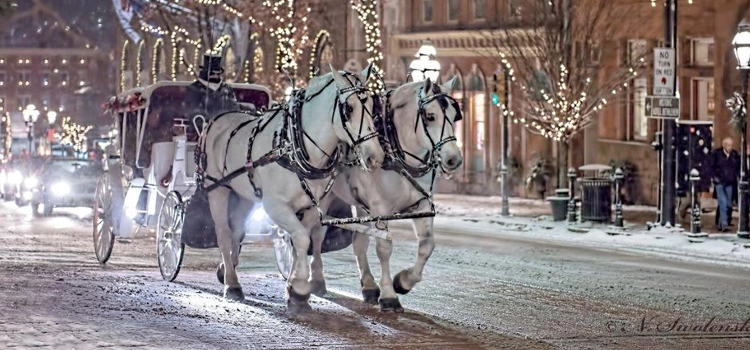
{"x": 367, "y": 12}
{"x": 124, "y": 63}
{"x": 218, "y": 49}
{"x": 157, "y": 56}
{"x": 323, "y": 34}
{"x": 139, "y": 62}
{"x": 653, "y": 2}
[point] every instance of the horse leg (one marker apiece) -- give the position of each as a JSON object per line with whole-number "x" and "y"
{"x": 218, "y": 200}
{"x": 370, "y": 290}
{"x": 317, "y": 281}
{"x": 388, "y": 298}
{"x": 298, "y": 287}
{"x": 405, "y": 280}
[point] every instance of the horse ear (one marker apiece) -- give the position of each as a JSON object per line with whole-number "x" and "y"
{"x": 427, "y": 87}
{"x": 341, "y": 82}
{"x": 450, "y": 85}
{"x": 367, "y": 72}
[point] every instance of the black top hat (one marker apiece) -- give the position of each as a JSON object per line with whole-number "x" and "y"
{"x": 211, "y": 64}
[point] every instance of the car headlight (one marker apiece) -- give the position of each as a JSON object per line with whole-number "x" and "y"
{"x": 31, "y": 182}
{"x": 15, "y": 177}
{"x": 60, "y": 189}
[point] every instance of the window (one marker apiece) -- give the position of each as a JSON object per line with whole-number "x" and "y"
{"x": 514, "y": 8}
{"x": 452, "y": 10}
{"x": 2, "y": 103}
{"x": 638, "y": 107}
{"x": 702, "y": 52}
{"x": 64, "y": 78}
{"x": 23, "y": 101}
{"x": 3, "y": 78}
{"x": 45, "y": 78}
{"x": 427, "y": 11}
{"x": 703, "y": 101}
{"x": 480, "y": 9}
{"x": 82, "y": 77}
{"x": 24, "y": 78}
{"x": 478, "y": 101}
{"x": 637, "y": 49}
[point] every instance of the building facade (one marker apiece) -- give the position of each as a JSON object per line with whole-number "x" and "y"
{"x": 621, "y": 133}
{"x": 52, "y": 59}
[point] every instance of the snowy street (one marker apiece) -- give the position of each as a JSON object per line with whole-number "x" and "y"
{"x": 481, "y": 289}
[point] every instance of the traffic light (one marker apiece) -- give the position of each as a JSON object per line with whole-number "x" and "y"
{"x": 498, "y": 89}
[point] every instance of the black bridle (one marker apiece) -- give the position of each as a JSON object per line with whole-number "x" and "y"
{"x": 444, "y": 100}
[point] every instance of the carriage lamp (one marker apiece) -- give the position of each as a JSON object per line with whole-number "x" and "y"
{"x": 741, "y": 47}
{"x": 425, "y": 66}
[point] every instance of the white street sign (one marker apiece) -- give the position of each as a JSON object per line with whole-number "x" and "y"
{"x": 665, "y": 107}
{"x": 664, "y": 71}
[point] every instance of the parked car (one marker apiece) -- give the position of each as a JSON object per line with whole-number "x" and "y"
{"x": 65, "y": 182}
{"x": 15, "y": 174}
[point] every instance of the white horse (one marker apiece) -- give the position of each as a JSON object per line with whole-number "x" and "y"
{"x": 335, "y": 109}
{"x": 419, "y": 128}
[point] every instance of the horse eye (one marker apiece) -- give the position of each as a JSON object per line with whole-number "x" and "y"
{"x": 431, "y": 117}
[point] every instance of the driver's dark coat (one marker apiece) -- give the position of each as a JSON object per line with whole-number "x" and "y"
{"x": 202, "y": 100}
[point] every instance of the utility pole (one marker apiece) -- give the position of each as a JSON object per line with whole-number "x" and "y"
{"x": 669, "y": 165}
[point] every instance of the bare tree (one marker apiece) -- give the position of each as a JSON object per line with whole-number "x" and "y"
{"x": 552, "y": 51}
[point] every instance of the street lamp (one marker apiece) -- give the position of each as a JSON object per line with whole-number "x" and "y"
{"x": 741, "y": 47}
{"x": 51, "y": 118}
{"x": 425, "y": 66}
{"x": 30, "y": 115}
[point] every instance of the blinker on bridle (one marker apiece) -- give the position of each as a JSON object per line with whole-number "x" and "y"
{"x": 443, "y": 100}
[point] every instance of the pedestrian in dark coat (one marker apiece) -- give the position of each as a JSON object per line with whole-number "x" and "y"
{"x": 725, "y": 171}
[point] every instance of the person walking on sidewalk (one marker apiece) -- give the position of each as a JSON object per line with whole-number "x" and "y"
{"x": 725, "y": 167}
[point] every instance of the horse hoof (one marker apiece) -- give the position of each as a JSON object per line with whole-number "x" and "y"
{"x": 220, "y": 273}
{"x": 371, "y": 296}
{"x": 397, "y": 286}
{"x": 318, "y": 288}
{"x": 296, "y": 302}
{"x": 390, "y": 305}
{"x": 234, "y": 293}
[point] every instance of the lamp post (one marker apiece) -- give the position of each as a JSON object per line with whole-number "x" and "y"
{"x": 51, "y": 118}
{"x": 425, "y": 66}
{"x": 741, "y": 47}
{"x": 30, "y": 115}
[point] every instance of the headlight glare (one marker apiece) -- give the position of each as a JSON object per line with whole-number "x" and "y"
{"x": 60, "y": 189}
{"x": 16, "y": 177}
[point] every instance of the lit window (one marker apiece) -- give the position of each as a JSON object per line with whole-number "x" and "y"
{"x": 479, "y": 100}
{"x": 45, "y": 78}
{"x": 480, "y": 8}
{"x": 514, "y": 8}
{"x": 46, "y": 61}
{"x": 427, "y": 11}
{"x": 83, "y": 61}
{"x": 64, "y": 61}
{"x": 2, "y": 61}
{"x": 640, "y": 122}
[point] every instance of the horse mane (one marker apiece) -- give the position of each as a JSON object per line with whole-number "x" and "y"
{"x": 318, "y": 83}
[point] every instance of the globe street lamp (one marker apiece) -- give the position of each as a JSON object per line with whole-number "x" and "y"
{"x": 741, "y": 47}
{"x": 30, "y": 115}
{"x": 425, "y": 66}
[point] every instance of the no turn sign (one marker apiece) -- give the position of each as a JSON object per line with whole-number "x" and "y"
{"x": 664, "y": 71}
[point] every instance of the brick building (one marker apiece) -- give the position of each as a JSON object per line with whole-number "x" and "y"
{"x": 706, "y": 77}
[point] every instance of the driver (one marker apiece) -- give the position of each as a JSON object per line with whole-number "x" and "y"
{"x": 210, "y": 96}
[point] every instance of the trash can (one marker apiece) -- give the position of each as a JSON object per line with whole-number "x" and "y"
{"x": 596, "y": 199}
{"x": 559, "y": 204}
{"x": 595, "y": 185}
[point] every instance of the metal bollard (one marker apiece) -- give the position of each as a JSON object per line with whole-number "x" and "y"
{"x": 504, "y": 175}
{"x": 619, "y": 176}
{"x": 572, "y": 217}
{"x": 695, "y": 212}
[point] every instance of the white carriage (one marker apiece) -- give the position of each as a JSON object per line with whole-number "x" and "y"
{"x": 151, "y": 166}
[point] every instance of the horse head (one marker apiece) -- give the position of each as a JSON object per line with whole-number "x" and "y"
{"x": 425, "y": 117}
{"x": 355, "y": 111}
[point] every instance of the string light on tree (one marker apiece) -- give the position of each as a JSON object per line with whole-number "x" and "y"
{"x": 368, "y": 14}
{"x": 74, "y": 135}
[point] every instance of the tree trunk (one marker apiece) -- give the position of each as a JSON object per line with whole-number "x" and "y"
{"x": 562, "y": 164}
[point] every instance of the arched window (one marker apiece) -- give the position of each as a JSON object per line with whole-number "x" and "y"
{"x": 477, "y": 113}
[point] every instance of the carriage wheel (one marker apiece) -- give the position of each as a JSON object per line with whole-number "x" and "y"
{"x": 169, "y": 246}
{"x": 284, "y": 251}
{"x": 104, "y": 237}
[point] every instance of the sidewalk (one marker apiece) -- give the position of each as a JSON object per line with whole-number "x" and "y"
{"x": 531, "y": 218}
